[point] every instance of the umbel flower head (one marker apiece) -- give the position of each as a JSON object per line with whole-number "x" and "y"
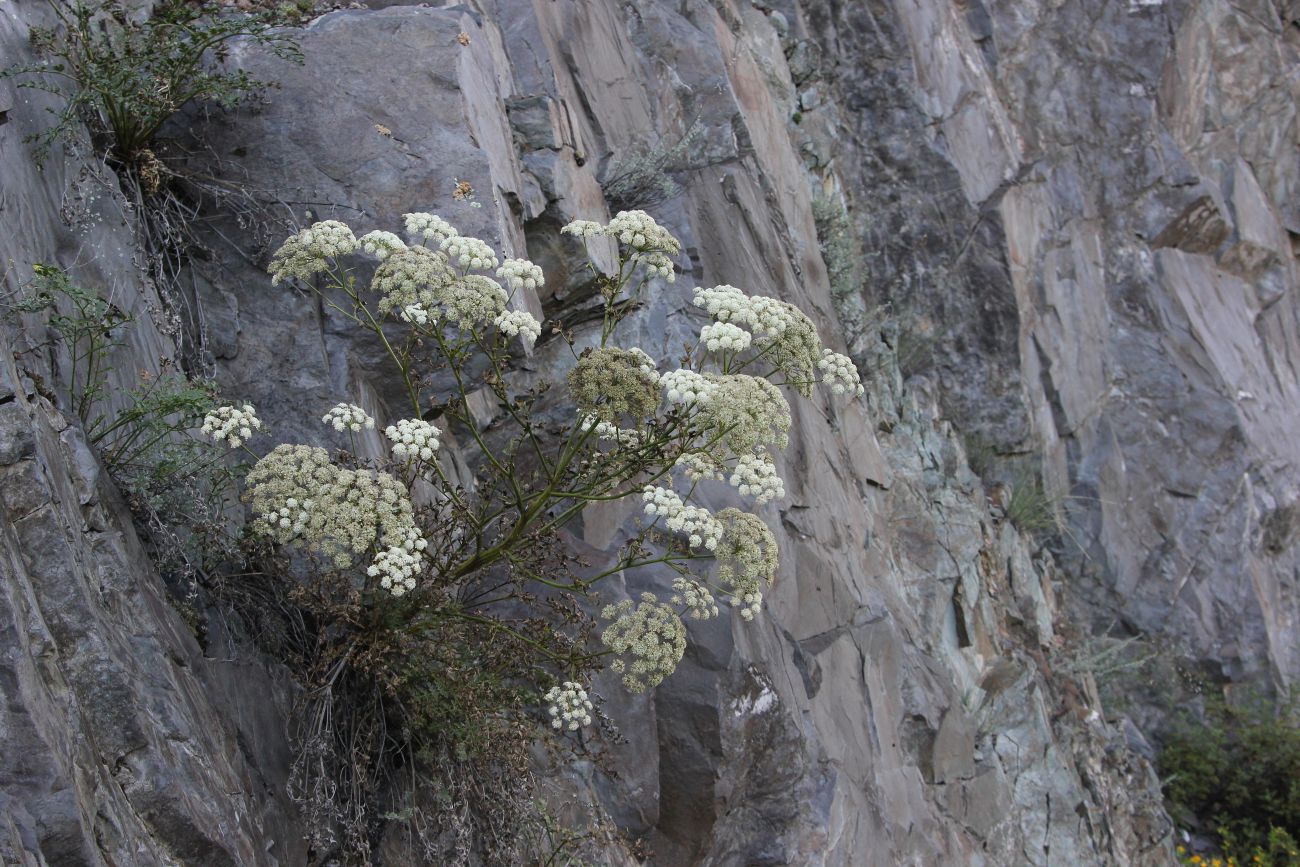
{"x": 694, "y": 522}
{"x": 649, "y": 639}
{"x": 380, "y": 244}
{"x": 308, "y": 252}
{"x": 413, "y": 438}
{"x": 413, "y": 276}
{"x": 429, "y": 227}
{"x": 612, "y": 383}
{"x": 569, "y": 706}
{"x": 299, "y": 496}
{"x": 747, "y": 559}
{"x": 840, "y": 374}
{"x": 696, "y": 598}
{"x": 521, "y": 323}
{"x": 521, "y": 274}
{"x": 786, "y": 336}
{"x": 232, "y": 425}
{"x": 348, "y": 417}
{"x": 468, "y": 253}
{"x": 755, "y": 476}
{"x": 651, "y": 244}
{"x": 752, "y": 411}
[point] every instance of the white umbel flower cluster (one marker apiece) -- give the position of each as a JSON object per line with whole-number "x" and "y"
{"x": 410, "y": 277}
{"x": 232, "y": 425}
{"x": 469, "y": 253}
{"x": 306, "y": 253}
{"x": 583, "y": 229}
{"x": 381, "y": 244}
{"x": 751, "y": 410}
{"x": 336, "y": 512}
{"x": 638, "y": 230}
{"x": 652, "y": 245}
{"x": 699, "y": 467}
{"x": 840, "y": 373}
{"x": 569, "y": 706}
{"x": 725, "y": 337}
{"x": 687, "y": 387}
{"x": 755, "y": 476}
{"x": 417, "y": 282}
{"x": 348, "y": 417}
{"x": 417, "y": 314}
{"x": 396, "y": 569}
{"x": 787, "y": 335}
{"x": 694, "y": 521}
{"x": 611, "y": 432}
{"x": 521, "y": 323}
{"x": 429, "y": 226}
{"x": 413, "y": 438}
{"x": 649, "y": 635}
{"x": 699, "y": 602}
{"x": 521, "y": 274}
{"x": 747, "y": 558}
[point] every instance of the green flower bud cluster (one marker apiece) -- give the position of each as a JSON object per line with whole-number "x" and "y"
{"x": 611, "y": 384}
{"x": 747, "y": 559}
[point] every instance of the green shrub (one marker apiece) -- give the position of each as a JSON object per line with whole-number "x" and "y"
{"x": 1236, "y": 773}
{"x": 1029, "y": 506}
{"x": 644, "y": 178}
{"x": 126, "y": 77}
{"x": 173, "y": 480}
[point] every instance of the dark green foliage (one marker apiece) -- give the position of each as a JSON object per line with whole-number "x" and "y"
{"x": 1237, "y": 772}
{"x": 126, "y": 77}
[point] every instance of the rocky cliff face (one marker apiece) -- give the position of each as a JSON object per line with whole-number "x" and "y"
{"x": 1086, "y": 214}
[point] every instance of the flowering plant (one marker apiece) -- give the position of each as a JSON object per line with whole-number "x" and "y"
{"x": 483, "y": 551}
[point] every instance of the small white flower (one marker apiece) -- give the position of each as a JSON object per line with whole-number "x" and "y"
{"x": 519, "y": 322}
{"x": 840, "y": 373}
{"x": 413, "y": 438}
{"x": 429, "y": 226}
{"x": 569, "y": 706}
{"x": 725, "y": 337}
{"x": 231, "y": 425}
{"x": 521, "y": 274}
{"x": 348, "y": 417}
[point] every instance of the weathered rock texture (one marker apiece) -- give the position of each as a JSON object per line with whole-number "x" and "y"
{"x": 1092, "y": 208}
{"x": 1105, "y": 273}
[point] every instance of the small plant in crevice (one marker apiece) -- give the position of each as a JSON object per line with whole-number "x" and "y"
{"x": 1028, "y": 505}
{"x": 144, "y": 436}
{"x": 645, "y": 177}
{"x": 450, "y": 619}
{"x": 1233, "y": 774}
{"x": 125, "y": 74}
